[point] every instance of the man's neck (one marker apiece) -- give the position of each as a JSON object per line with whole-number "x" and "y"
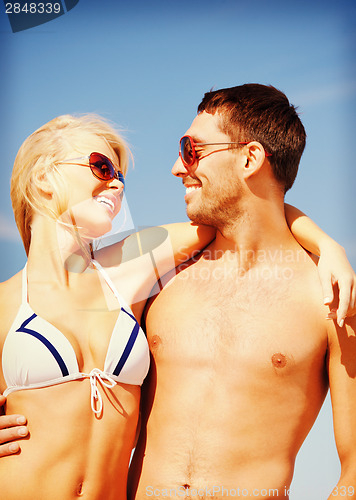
{"x": 263, "y": 228}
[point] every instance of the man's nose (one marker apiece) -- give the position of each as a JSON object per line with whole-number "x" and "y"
{"x": 179, "y": 169}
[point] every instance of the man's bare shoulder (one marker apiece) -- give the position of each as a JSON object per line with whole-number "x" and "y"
{"x": 308, "y": 281}
{"x": 344, "y": 339}
{"x": 167, "y": 280}
{"x": 340, "y": 339}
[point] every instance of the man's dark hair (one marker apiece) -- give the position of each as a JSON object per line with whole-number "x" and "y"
{"x": 255, "y": 112}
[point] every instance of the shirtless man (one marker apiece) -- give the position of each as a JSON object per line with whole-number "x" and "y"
{"x": 241, "y": 348}
{"x": 242, "y": 351}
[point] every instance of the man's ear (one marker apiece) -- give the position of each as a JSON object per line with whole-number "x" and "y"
{"x": 255, "y": 157}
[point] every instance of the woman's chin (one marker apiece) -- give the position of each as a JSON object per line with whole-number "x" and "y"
{"x": 94, "y": 230}
{"x": 98, "y": 233}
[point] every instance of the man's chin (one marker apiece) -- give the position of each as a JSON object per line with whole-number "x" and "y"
{"x": 197, "y": 217}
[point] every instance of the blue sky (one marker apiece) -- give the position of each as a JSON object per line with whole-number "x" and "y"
{"x": 146, "y": 64}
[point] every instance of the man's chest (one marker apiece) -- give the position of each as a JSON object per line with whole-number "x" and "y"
{"x": 220, "y": 317}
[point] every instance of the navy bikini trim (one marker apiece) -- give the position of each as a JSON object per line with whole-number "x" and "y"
{"x": 58, "y": 357}
{"x": 129, "y": 345}
{"x": 48, "y": 344}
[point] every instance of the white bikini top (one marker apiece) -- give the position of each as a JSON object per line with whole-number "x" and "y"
{"x": 36, "y": 354}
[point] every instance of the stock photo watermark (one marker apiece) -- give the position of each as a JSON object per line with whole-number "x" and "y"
{"x": 244, "y": 265}
{"x": 212, "y": 491}
{"x": 25, "y": 15}
{"x": 221, "y": 491}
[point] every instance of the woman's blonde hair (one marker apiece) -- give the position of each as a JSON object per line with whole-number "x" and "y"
{"x": 37, "y": 158}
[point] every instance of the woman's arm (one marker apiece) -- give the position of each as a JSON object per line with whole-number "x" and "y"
{"x": 333, "y": 264}
{"x": 170, "y": 245}
{"x": 148, "y": 255}
{"x": 188, "y": 239}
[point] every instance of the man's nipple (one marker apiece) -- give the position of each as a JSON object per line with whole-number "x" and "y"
{"x": 155, "y": 342}
{"x": 279, "y": 360}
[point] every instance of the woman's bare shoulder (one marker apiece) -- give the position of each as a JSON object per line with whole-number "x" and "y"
{"x": 10, "y": 299}
{"x": 11, "y": 284}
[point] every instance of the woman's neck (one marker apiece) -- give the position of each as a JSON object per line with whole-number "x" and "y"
{"x": 57, "y": 249}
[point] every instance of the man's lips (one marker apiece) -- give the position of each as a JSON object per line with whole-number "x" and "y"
{"x": 191, "y": 188}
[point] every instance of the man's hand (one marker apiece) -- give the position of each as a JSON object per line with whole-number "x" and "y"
{"x": 12, "y": 427}
{"x": 334, "y": 268}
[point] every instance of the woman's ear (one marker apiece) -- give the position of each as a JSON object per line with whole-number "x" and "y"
{"x": 255, "y": 157}
{"x": 42, "y": 183}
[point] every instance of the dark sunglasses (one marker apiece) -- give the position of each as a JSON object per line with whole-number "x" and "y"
{"x": 188, "y": 154}
{"x": 100, "y": 165}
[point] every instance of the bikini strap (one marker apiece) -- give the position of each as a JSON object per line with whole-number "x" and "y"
{"x": 24, "y": 298}
{"x": 110, "y": 284}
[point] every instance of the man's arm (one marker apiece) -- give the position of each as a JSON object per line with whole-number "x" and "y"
{"x": 342, "y": 378}
{"x": 12, "y": 427}
{"x": 333, "y": 266}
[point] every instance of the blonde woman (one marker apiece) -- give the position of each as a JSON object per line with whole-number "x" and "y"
{"x": 73, "y": 354}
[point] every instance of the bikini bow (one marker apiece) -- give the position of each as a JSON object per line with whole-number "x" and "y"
{"x": 95, "y": 397}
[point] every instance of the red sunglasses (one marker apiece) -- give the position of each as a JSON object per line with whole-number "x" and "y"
{"x": 100, "y": 165}
{"x": 188, "y": 154}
